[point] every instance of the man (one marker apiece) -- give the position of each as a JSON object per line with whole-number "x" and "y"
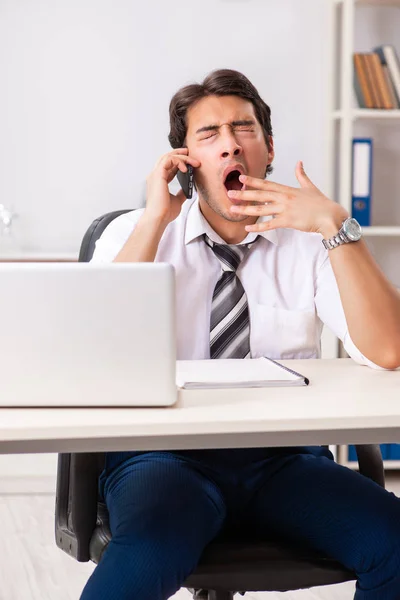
{"x": 253, "y": 278}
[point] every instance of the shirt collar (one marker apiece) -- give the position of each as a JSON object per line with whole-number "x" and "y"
{"x": 197, "y": 225}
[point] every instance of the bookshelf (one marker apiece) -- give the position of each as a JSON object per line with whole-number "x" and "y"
{"x": 343, "y": 112}
{"x": 346, "y": 120}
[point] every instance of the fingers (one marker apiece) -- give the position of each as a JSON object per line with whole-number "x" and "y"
{"x": 172, "y": 160}
{"x": 302, "y": 177}
{"x": 261, "y": 210}
{"x": 180, "y": 154}
{"x": 261, "y": 196}
{"x": 265, "y": 226}
{"x": 172, "y": 163}
{"x": 264, "y": 184}
{"x": 189, "y": 160}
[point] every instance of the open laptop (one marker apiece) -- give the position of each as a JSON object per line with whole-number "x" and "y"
{"x": 83, "y": 334}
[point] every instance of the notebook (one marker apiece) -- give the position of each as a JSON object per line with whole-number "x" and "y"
{"x": 235, "y": 373}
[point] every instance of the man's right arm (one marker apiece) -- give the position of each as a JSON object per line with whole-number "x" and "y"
{"x": 162, "y": 208}
{"x": 142, "y": 244}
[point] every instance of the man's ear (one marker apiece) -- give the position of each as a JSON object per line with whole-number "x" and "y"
{"x": 271, "y": 151}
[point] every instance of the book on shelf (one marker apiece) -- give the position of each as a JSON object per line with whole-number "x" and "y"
{"x": 389, "y": 59}
{"x": 361, "y": 195}
{"x": 377, "y": 78}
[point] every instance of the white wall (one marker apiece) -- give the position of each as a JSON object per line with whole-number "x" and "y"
{"x": 86, "y": 86}
{"x": 84, "y": 104}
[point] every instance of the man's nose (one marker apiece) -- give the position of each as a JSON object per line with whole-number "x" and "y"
{"x": 229, "y": 145}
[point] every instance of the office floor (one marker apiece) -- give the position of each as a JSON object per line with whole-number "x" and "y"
{"x": 32, "y": 568}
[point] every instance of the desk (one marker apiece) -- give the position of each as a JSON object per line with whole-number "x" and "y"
{"x": 344, "y": 403}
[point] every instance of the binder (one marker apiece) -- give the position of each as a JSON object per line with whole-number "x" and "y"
{"x": 352, "y": 455}
{"x": 362, "y": 180}
{"x": 393, "y": 452}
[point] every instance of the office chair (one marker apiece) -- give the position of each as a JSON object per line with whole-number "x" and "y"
{"x": 226, "y": 567}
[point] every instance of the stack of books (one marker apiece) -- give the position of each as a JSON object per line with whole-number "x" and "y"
{"x": 377, "y": 78}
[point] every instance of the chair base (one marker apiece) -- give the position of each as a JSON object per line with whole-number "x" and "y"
{"x": 215, "y": 595}
{"x": 263, "y": 567}
{"x": 211, "y": 595}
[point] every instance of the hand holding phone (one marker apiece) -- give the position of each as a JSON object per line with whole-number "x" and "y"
{"x": 161, "y": 204}
{"x": 186, "y": 181}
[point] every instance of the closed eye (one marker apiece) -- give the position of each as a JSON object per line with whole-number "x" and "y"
{"x": 207, "y": 137}
{"x": 244, "y": 128}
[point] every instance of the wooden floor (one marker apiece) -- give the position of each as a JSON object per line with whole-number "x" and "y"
{"x": 32, "y": 568}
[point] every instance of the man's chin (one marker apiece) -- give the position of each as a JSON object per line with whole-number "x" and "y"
{"x": 232, "y": 217}
{"x": 221, "y": 206}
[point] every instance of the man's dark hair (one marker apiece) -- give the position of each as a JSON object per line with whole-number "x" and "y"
{"x": 223, "y": 82}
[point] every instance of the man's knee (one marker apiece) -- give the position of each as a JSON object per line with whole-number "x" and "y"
{"x": 134, "y": 568}
{"x": 380, "y": 541}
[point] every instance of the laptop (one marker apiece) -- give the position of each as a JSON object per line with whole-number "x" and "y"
{"x": 83, "y": 334}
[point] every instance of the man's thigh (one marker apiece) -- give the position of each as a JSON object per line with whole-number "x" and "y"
{"x": 161, "y": 493}
{"x": 315, "y": 502}
{"x": 163, "y": 512}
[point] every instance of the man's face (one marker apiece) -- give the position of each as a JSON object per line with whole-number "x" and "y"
{"x": 225, "y": 136}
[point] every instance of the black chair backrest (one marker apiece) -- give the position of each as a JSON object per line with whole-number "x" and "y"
{"x": 94, "y": 232}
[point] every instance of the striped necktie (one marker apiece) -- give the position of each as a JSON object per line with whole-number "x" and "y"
{"x": 229, "y": 322}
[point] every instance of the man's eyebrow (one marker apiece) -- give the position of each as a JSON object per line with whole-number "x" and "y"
{"x": 207, "y": 128}
{"x": 243, "y": 122}
{"x": 240, "y": 123}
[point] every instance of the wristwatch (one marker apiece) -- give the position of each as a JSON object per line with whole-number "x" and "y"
{"x": 350, "y": 231}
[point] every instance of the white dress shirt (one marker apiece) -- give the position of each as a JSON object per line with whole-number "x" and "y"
{"x": 290, "y": 286}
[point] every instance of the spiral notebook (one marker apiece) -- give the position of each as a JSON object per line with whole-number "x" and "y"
{"x": 235, "y": 373}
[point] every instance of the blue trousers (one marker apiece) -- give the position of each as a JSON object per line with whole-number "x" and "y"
{"x": 165, "y": 507}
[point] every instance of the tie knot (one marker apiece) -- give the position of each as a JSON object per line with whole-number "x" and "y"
{"x": 229, "y": 255}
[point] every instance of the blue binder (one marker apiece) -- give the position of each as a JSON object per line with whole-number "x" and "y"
{"x": 362, "y": 180}
{"x": 394, "y": 451}
{"x": 352, "y": 455}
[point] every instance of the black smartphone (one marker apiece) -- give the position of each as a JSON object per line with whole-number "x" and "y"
{"x": 186, "y": 181}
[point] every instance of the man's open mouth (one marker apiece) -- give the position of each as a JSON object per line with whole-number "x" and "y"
{"x": 232, "y": 181}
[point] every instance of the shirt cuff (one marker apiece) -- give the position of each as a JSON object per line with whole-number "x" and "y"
{"x": 356, "y": 355}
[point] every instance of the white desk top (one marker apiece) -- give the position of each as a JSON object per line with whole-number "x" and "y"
{"x": 344, "y": 403}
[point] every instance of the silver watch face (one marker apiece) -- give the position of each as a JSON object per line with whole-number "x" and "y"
{"x": 352, "y": 229}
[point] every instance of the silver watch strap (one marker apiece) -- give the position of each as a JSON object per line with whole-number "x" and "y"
{"x": 335, "y": 241}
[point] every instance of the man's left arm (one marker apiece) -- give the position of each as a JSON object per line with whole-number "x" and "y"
{"x": 370, "y": 302}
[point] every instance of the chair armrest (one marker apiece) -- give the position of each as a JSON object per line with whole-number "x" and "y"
{"x": 76, "y": 503}
{"x": 370, "y": 462}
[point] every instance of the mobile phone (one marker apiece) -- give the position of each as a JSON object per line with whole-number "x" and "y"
{"x": 186, "y": 181}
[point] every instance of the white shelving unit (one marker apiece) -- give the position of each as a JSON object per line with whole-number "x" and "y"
{"x": 367, "y": 113}
{"x": 342, "y": 109}
{"x": 342, "y": 119}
